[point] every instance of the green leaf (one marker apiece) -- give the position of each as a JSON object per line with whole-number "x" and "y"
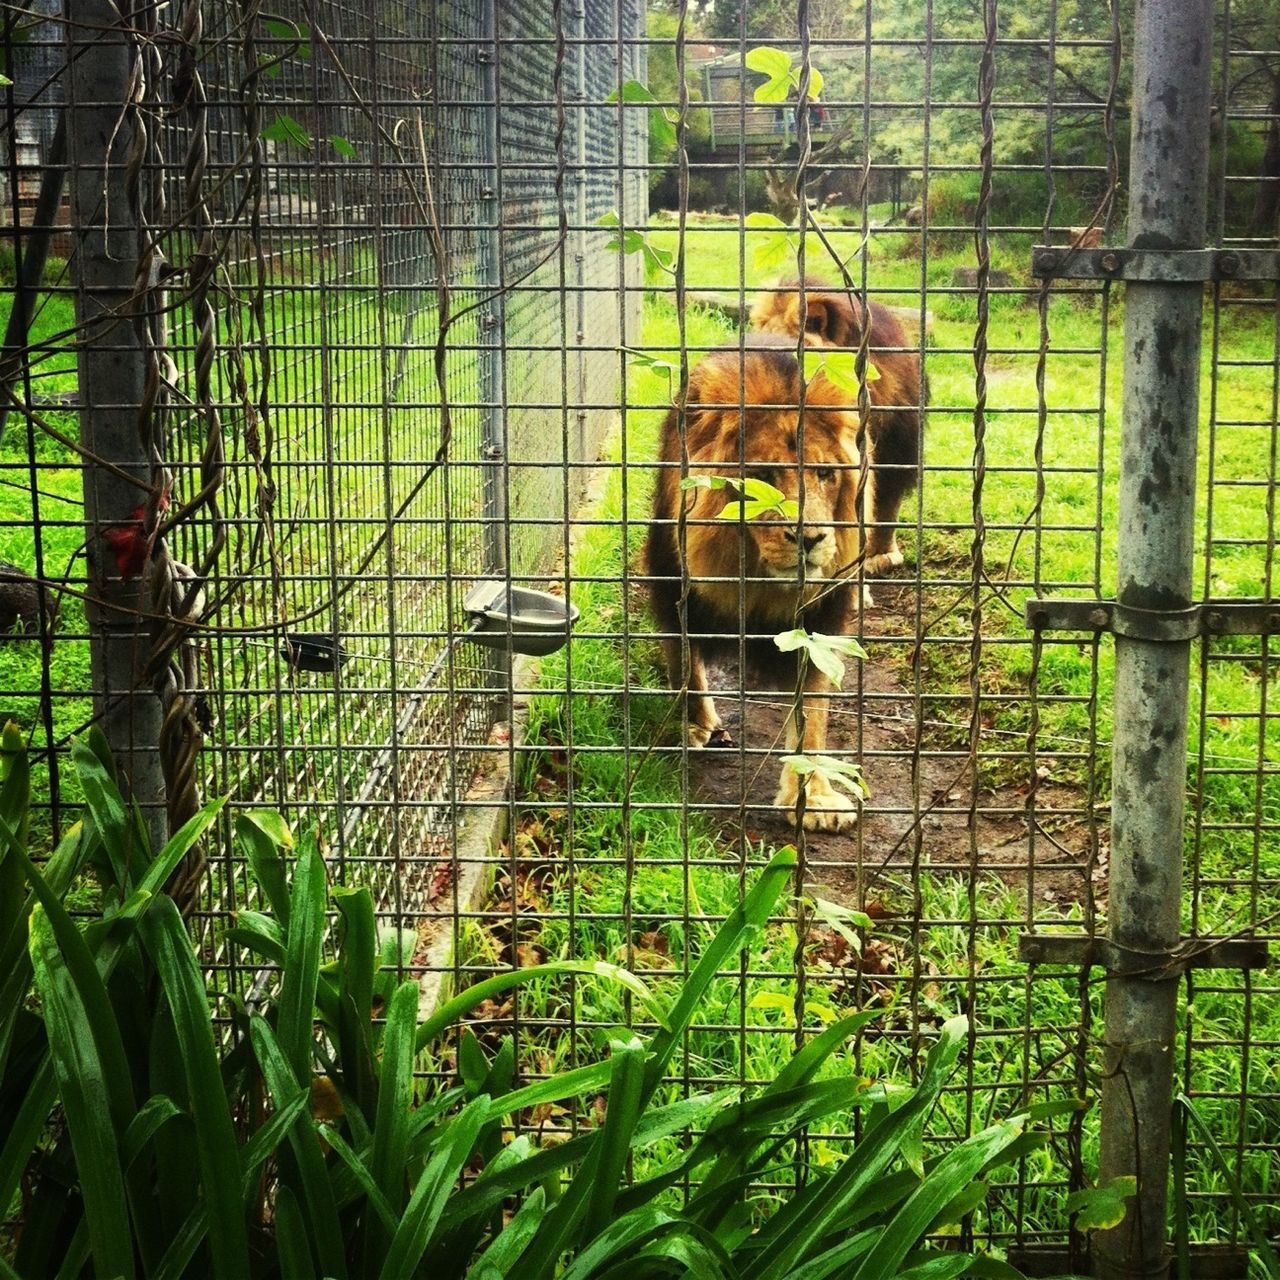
{"x": 395, "y": 1090}
{"x": 626, "y": 1101}
{"x": 811, "y": 1215}
{"x": 662, "y": 126}
{"x": 263, "y": 834}
{"x": 824, "y": 651}
{"x": 286, "y": 130}
{"x": 844, "y": 920}
{"x": 85, "y": 1080}
{"x": 342, "y": 147}
{"x": 304, "y": 1143}
{"x": 297, "y": 33}
{"x": 783, "y": 74}
{"x": 1102, "y": 1207}
{"x": 215, "y": 1138}
{"x": 941, "y": 1266}
{"x": 5, "y": 81}
{"x": 786, "y": 1004}
{"x": 364, "y": 1179}
{"x": 292, "y": 1246}
{"x": 295, "y": 1025}
{"x": 501, "y": 982}
{"x": 744, "y": 921}
{"x": 422, "y": 1214}
{"x": 840, "y": 368}
{"x": 841, "y": 773}
{"x": 266, "y": 1138}
{"x": 765, "y": 222}
{"x": 945, "y": 1181}
{"x": 107, "y": 808}
{"x": 499, "y": 1259}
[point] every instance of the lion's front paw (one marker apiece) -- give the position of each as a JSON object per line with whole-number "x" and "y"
{"x": 825, "y": 808}
{"x": 876, "y": 566}
{"x": 718, "y": 736}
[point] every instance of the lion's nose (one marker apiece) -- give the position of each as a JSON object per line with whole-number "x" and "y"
{"x": 811, "y": 540}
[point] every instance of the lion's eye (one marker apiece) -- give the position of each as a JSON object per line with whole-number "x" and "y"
{"x": 826, "y": 474}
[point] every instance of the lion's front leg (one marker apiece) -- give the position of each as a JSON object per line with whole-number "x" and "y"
{"x": 825, "y": 807}
{"x": 705, "y": 727}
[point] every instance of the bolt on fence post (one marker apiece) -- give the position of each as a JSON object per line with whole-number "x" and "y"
{"x": 1169, "y": 166}
{"x": 111, "y": 371}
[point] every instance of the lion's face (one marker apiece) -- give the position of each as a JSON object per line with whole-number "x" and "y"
{"x": 744, "y": 419}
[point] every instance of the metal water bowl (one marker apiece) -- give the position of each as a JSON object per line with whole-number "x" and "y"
{"x": 518, "y": 619}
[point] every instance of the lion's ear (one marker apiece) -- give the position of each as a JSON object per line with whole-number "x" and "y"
{"x": 831, "y": 317}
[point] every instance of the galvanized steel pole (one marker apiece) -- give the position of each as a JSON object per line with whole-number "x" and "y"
{"x": 111, "y": 368}
{"x": 1168, "y": 184}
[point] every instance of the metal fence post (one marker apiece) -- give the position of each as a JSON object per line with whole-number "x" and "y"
{"x": 1169, "y": 166}
{"x": 111, "y": 373}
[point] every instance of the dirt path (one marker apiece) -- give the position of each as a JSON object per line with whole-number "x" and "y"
{"x": 882, "y": 850}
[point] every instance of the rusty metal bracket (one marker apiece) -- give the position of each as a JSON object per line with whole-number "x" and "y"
{"x": 1212, "y": 618}
{"x": 1118, "y": 961}
{"x": 1156, "y": 266}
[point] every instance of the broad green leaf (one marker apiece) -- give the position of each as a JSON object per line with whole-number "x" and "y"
{"x": 1102, "y": 1207}
{"x": 942, "y": 1266}
{"x": 503, "y": 1254}
{"x": 769, "y": 61}
{"x": 342, "y": 146}
{"x": 824, "y": 651}
{"x": 260, "y": 837}
{"x": 773, "y": 253}
{"x": 765, "y": 222}
{"x": 621, "y": 1240}
{"x": 840, "y": 368}
{"x": 841, "y": 773}
{"x": 662, "y": 126}
{"x": 285, "y": 129}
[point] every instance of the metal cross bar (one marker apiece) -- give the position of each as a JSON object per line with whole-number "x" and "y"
{"x": 1156, "y": 266}
{"x": 1213, "y": 617}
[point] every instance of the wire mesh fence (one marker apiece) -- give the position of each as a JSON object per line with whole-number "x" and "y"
{"x": 458, "y": 264}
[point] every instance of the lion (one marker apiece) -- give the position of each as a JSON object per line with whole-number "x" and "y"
{"x": 753, "y": 578}
{"x": 835, "y": 318}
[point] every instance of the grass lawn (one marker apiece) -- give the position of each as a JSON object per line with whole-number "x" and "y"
{"x": 631, "y": 868}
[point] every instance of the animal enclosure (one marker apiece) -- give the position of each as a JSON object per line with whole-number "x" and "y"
{"x": 318, "y": 317}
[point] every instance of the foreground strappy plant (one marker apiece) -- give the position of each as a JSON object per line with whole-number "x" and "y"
{"x": 291, "y": 1138}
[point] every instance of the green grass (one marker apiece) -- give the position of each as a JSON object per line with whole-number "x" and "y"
{"x": 632, "y": 885}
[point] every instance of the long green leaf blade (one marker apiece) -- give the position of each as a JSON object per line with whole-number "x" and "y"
{"x": 953, "y": 1173}
{"x": 614, "y": 1136}
{"x": 296, "y": 1024}
{"x": 414, "y": 1235}
{"x": 170, "y": 949}
{"x": 304, "y": 1145}
{"x": 395, "y": 1091}
{"x": 85, "y": 1089}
